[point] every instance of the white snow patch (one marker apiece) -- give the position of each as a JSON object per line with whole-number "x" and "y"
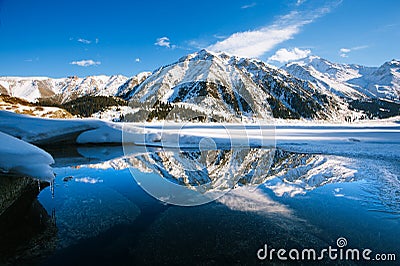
{"x": 21, "y": 158}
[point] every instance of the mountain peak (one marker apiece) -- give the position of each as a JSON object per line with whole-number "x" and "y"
{"x": 394, "y": 62}
{"x": 203, "y": 54}
{"x": 311, "y": 60}
{"x": 315, "y": 58}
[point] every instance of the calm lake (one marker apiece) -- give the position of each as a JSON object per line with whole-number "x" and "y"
{"x": 98, "y": 212}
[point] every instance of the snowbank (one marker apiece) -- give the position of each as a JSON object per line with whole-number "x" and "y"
{"x": 41, "y": 131}
{"x": 21, "y": 158}
{"x": 48, "y": 131}
{"x": 104, "y": 134}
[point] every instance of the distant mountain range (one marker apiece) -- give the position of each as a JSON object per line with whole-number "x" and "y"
{"x": 350, "y": 81}
{"x": 70, "y": 88}
{"x": 228, "y": 88}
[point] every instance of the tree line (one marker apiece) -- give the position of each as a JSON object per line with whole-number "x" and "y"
{"x": 87, "y": 105}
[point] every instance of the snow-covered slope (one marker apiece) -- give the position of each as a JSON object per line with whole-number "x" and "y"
{"x": 65, "y": 89}
{"x": 19, "y": 106}
{"x": 348, "y": 80}
{"x": 125, "y": 89}
{"x": 383, "y": 82}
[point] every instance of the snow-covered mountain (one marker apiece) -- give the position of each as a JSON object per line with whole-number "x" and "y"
{"x": 290, "y": 97}
{"x": 218, "y": 84}
{"x": 65, "y": 89}
{"x": 348, "y": 80}
{"x": 207, "y": 83}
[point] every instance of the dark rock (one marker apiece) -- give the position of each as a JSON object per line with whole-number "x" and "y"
{"x": 27, "y": 231}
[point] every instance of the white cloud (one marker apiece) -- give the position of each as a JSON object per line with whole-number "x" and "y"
{"x": 248, "y": 6}
{"x": 299, "y": 2}
{"x": 88, "y": 180}
{"x": 31, "y": 59}
{"x": 85, "y": 63}
{"x": 359, "y": 47}
{"x": 137, "y": 60}
{"x": 84, "y": 41}
{"x": 284, "y": 55}
{"x": 163, "y": 42}
{"x": 345, "y": 51}
{"x": 217, "y": 36}
{"x": 255, "y": 43}
{"x": 197, "y": 44}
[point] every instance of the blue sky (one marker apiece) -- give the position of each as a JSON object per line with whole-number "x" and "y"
{"x": 64, "y": 38}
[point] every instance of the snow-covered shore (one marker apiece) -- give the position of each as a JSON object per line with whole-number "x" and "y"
{"x": 21, "y": 158}
{"x": 48, "y": 131}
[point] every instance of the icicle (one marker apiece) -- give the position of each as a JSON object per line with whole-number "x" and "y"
{"x": 53, "y": 216}
{"x": 52, "y": 188}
